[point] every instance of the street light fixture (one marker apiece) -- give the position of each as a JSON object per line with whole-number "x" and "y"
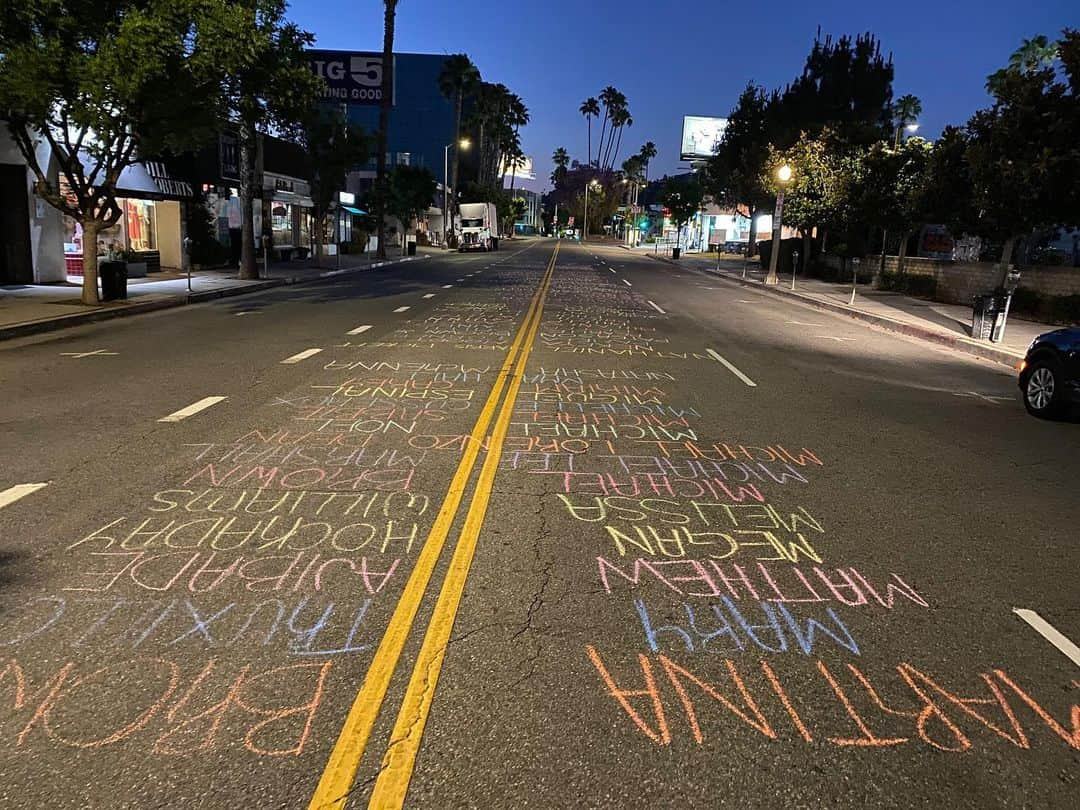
{"x": 464, "y": 143}
{"x": 783, "y": 175}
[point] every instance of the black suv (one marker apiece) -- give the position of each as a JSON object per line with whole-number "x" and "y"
{"x": 1050, "y": 373}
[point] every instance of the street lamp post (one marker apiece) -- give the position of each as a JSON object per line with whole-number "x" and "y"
{"x": 462, "y": 144}
{"x": 783, "y": 174}
{"x": 585, "y": 218}
{"x": 910, "y": 127}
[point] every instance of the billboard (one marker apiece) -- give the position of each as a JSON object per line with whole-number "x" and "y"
{"x": 351, "y": 77}
{"x": 700, "y": 136}
{"x": 523, "y": 170}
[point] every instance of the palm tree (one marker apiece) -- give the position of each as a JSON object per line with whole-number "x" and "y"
{"x": 647, "y": 153}
{"x": 906, "y": 110}
{"x": 457, "y": 79}
{"x": 561, "y": 158}
{"x": 381, "y": 195}
{"x": 609, "y": 97}
{"x": 590, "y": 108}
{"x": 1033, "y": 54}
{"x": 625, "y": 120}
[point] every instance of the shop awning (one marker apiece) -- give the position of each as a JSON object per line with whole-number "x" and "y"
{"x": 356, "y": 211}
{"x": 150, "y": 180}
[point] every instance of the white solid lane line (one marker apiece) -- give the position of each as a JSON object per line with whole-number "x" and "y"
{"x": 654, "y": 305}
{"x": 401, "y": 309}
{"x": 359, "y": 329}
{"x": 192, "y": 409}
{"x": 731, "y": 368}
{"x": 304, "y": 355}
{"x": 1050, "y": 633}
{"x": 627, "y": 283}
{"x": 429, "y": 295}
{"x": 12, "y": 494}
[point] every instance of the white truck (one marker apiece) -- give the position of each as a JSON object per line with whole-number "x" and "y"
{"x": 478, "y": 227}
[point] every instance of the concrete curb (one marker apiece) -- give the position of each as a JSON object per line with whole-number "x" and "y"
{"x": 78, "y": 319}
{"x": 1002, "y": 356}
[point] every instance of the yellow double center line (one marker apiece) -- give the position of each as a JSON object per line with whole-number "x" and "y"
{"x": 393, "y": 781}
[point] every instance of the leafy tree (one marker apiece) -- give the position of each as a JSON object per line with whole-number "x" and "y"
{"x": 889, "y": 193}
{"x": 382, "y": 194}
{"x": 1022, "y": 152}
{"x": 682, "y": 200}
{"x": 412, "y": 189}
{"x": 811, "y": 195}
{"x": 496, "y": 116}
{"x": 95, "y": 82}
{"x": 457, "y": 79}
{"x": 845, "y": 86}
{"x": 334, "y": 147}
{"x": 590, "y": 108}
{"x": 735, "y": 174}
{"x": 266, "y": 85}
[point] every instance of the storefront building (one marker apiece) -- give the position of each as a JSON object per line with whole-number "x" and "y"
{"x": 41, "y": 245}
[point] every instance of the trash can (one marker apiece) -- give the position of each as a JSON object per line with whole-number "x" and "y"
{"x": 113, "y": 281}
{"x": 411, "y": 249}
{"x": 675, "y": 252}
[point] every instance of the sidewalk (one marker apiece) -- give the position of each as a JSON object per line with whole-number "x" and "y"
{"x": 29, "y": 309}
{"x": 945, "y": 324}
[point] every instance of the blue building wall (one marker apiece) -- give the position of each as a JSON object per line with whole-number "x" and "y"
{"x": 421, "y": 120}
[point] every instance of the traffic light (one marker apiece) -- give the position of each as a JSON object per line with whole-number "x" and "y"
{"x": 643, "y": 225}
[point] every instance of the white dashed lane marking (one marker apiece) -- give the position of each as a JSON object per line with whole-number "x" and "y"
{"x": 731, "y": 368}
{"x": 192, "y": 409}
{"x": 1050, "y": 633}
{"x": 296, "y": 358}
{"x": 359, "y": 329}
{"x": 654, "y": 305}
{"x": 402, "y": 309}
{"x": 12, "y": 494}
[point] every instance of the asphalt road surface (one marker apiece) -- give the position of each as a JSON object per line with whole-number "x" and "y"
{"x": 550, "y": 527}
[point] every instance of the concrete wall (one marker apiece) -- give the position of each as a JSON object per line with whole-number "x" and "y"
{"x": 46, "y": 223}
{"x": 959, "y": 282}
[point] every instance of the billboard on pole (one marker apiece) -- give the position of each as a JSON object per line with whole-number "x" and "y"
{"x": 700, "y": 136}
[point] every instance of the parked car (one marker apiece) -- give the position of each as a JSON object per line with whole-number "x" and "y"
{"x": 1050, "y": 372}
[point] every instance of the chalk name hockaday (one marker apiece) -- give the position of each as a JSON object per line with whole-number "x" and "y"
{"x": 844, "y": 708}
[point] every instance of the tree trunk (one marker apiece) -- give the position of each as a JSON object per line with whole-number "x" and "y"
{"x": 600, "y": 146}
{"x": 588, "y": 123}
{"x": 450, "y": 202}
{"x": 384, "y": 124}
{"x": 90, "y": 262}
{"x": 884, "y": 241}
{"x": 248, "y": 266}
{"x": 320, "y": 228}
{"x": 751, "y": 245}
{"x": 902, "y": 253}
{"x": 808, "y": 248}
{"x": 1006, "y": 260}
{"x": 824, "y": 239}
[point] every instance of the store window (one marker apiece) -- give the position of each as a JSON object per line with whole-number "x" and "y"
{"x": 281, "y": 223}
{"x": 141, "y": 222}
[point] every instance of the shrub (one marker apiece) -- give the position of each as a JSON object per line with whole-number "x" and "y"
{"x": 1065, "y": 309}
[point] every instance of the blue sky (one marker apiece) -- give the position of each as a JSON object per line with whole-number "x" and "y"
{"x": 693, "y": 58}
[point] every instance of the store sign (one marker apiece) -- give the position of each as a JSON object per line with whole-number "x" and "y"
{"x": 282, "y": 184}
{"x": 229, "y": 156}
{"x": 351, "y": 77}
{"x": 346, "y": 198}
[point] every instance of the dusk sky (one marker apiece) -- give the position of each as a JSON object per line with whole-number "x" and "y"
{"x": 693, "y": 60}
